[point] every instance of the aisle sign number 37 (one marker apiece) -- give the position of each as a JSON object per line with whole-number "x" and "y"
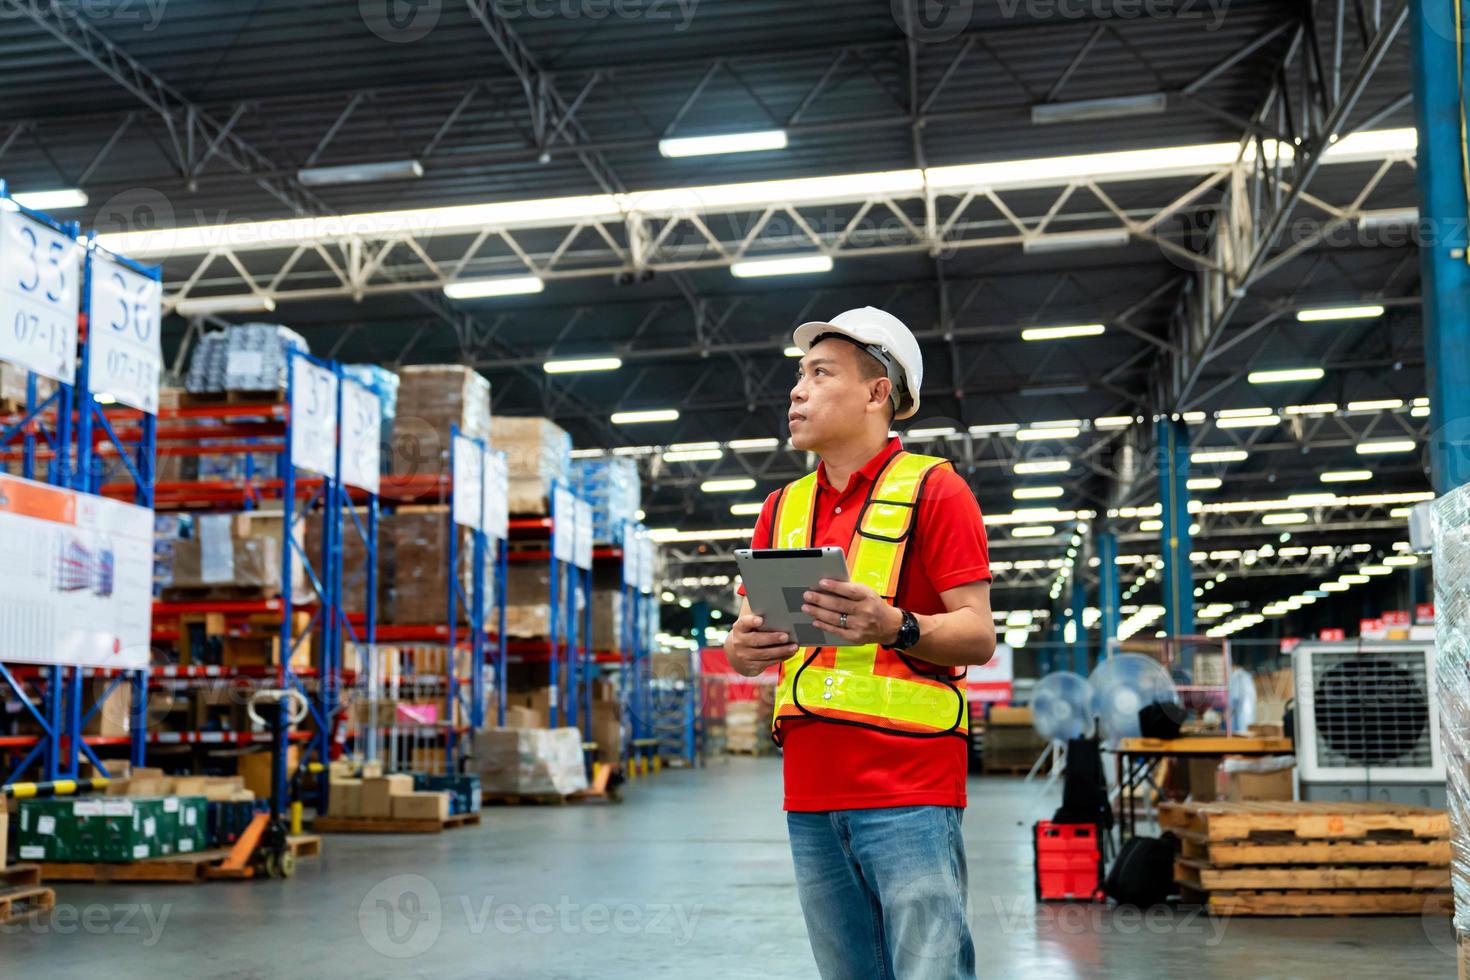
{"x": 39, "y": 273}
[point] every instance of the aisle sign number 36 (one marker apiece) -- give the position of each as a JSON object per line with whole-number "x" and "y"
{"x": 126, "y": 355}
{"x": 39, "y": 272}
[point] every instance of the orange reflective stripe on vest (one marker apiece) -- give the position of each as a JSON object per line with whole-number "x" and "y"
{"x": 867, "y": 685}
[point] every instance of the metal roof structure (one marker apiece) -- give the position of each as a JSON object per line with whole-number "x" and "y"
{"x": 1244, "y": 161}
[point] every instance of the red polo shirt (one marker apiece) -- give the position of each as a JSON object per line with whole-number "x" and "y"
{"x": 843, "y": 767}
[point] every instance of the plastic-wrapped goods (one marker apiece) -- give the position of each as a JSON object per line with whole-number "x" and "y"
{"x": 354, "y": 559}
{"x": 525, "y": 761}
{"x": 413, "y": 564}
{"x": 612, "y": 487}
{"x": 384, "y": 380}
{"x": 537, "y": 452}
{"x": 13, "y": 386}
{"x": 431, "y": 399}
{"x": 244, "y": 357}
{"x": 232, "y": 551}
{"x": 167, "y": 529}
{"x": 1451, "y": 535}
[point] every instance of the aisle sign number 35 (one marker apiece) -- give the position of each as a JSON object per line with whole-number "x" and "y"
{"x": 39, "y": 272}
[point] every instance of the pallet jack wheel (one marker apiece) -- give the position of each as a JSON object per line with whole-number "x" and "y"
{"x": 287, "y": 865}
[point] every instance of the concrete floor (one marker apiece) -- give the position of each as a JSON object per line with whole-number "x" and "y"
{"x": 690, "y": 877}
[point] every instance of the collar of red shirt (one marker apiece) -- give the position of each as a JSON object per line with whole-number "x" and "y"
{"x": 869, "y": 471}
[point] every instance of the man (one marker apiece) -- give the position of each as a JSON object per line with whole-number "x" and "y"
{"x": 875, "y": 732}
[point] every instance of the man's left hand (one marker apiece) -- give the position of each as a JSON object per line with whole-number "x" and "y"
{"x": 869, "y": 618}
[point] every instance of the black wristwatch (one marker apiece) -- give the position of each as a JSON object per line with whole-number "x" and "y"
{"x": 908, "y": 633}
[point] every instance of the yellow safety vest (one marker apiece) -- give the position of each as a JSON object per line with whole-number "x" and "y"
{"x": 872, "y": 686}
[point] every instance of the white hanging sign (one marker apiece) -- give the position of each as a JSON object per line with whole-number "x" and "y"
{"x": 362, "y": 436}
{"x": 564, "y": 526}
{"x": 631, "y": 555}
{"x": 469, "y": 482}
{"x": 125, "y": 354}
{"x": 313, "y": 417}
{"x": 645, "y": 565}
{"x": 497, "y": 495}
{"x": 583, "y": 549}
{"x": 40, "y": 294}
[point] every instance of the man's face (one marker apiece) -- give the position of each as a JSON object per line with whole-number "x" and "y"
{"x": 831, "y": 398}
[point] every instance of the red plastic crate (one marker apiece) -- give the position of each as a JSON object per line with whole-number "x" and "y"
{"x": 1068, "y": 862}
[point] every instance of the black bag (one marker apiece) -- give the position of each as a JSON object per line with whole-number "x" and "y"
{"x": 1084, "y": 787}
{"x": 1143, "y": 873}
{"x": 1160, "y": 720}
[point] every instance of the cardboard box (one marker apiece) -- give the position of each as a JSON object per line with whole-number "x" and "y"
{"x": 1204, "y": 774}
{"x": 378, "y": 793}
{"x": 415, "y": 570}
{"x": 234, "y": 550}
{"x": 114, "y": 718}
{"x": 1249, "y": 787}
{"x": 531, "y": 760}
{"x": 255, "y": 770}
{"x": 520, "y": 716}
{"x": 1005, "y": 715}
{"x": 433, "y": 398}
{"x": 537, "y": 452}
{"x": 421, "y": 806}
{"x": 344, "y": 798}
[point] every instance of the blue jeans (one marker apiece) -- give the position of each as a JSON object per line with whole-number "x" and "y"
{"x": 884, "y": 892}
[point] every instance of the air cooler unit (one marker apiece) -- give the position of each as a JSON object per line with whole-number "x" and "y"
{"x": 1367, "y": 722}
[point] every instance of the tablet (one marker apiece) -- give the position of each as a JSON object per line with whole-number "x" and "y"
{"x": 777, "y": 578}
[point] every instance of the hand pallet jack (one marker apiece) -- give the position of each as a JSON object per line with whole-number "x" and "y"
{"x": 264, "y": 846}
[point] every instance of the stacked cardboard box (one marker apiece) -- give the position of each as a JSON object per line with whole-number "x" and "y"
{"x": 240, "y": 551}
{"x": 414, "y": 567}
{"x": 386, "y": 797}
{"x": 433, "y": 398}
{"x": 747, "y": 728}
{"x": 354, "y": 559}
{"x": 1012, "y": 744}
{"x": 607, "y": 620}
{"x": 531, "y": 761}
{"x": 537, "y": 451}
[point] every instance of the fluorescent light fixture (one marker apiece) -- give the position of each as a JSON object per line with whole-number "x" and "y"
{"x": 1376, "y": 405}
{"x": 1037, "y": 493}
{"x": 1033, "y": 531}
{"x": 63, "y": 199}
{"x": 204, "y": 306}
{"x": 669, "y": 534}
{"x": 1287, "y": 517}
{"x": 1241, "y": 413}
{"x": 938, "y": 432}
{"x": 727, "y": 486}
{"x": 1421, "y": 400}
{"x": 680, "y": 447}
{"x": 751, "y": 445}
{"x": 635, "y": 450}
{"x": 746, "y": 510}
{"x": 1113, "y": 422}
{"x": 1151, "y": 525}
{"x": 1043, "y": 466}
{"x": 793, "y": 352}
{"x": 1320, "y": 408}
{"x": 1387, "y": 446}
{"x": 1401, "y": 560}
{"x": 697, "y": 146}
{"x": 1284, "y": 374}
{"x": 1353, "y": 579}
{"x": 583, "y": 364}
{"x": 1375, "y": 570}
{"x": 1388, "y": 218}
{"x": 1338, "y": 313}
{"x": 1062, "y": 333}
{"x": 1051, "y": 391}
{"x": 651, "y": 415}
{"x": 1419, "y": 411}
{"x": 1334, "y": 587}
{"x": 1311, "y": 499}
{"x": 360, "y": 173}
{"x": 1248, "y": 421}
{"x": 1031, "y": 435}
{"x": 1083, "y": 110}
{"x": 798, "y": 265}
{"x": 1075, "y": 241}
{"x": 999, "y": 428}
{"x": 1057, "y": 424}
{"x": 588, "y": 453}
{"x": 498, "y": 286}
{"x": 1218, "y": 456}
{"x": 692, "y": 455}
{"x": 1346, "y": 476}
{"x": 1203, "y": 483}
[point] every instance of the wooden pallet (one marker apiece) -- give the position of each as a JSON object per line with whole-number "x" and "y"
{"x": 388, "y": 825}
{"x": 751, "y": 752}
{"x": 1297, "y": 903}
{"x": 1291, "y": 850}
{"x": 1206, "y": 877}
{"x": 1316, "y": 821}
{"x": 23, "y": 901}
{"x": 174, "y": 869}
{"x": 271, "y": 396}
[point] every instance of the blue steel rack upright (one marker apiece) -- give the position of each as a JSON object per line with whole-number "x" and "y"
{"x": 475, "y": 612}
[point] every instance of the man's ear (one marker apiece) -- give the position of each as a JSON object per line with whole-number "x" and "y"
{"x": 879, "y": 394}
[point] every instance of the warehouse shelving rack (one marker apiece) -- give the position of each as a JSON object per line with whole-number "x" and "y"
{"x": 77, "y": 417}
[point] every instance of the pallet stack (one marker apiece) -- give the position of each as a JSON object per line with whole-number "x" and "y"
{"x": 1289, "y": 858}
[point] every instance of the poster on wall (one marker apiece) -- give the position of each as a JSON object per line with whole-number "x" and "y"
{"x": 80, "y": 588}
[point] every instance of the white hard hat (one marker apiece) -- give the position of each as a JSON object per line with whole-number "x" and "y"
{"x": 887, "y": 339}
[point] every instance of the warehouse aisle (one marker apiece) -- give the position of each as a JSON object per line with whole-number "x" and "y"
{"x": 690, "y": 877}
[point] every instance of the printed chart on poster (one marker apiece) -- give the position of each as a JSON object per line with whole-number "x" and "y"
{"x": 582, "y": 551}
{"x": 469, "y": 482}
{"x": 497, "y": 495}
{"x": 564, "y": 527}
{"x": 313, "y": 417}
{"x": 124, "y": 311}
{"x": 82, "y": 589}
{"x": 40, "y": 295}
{"x": 362, "y": 435}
